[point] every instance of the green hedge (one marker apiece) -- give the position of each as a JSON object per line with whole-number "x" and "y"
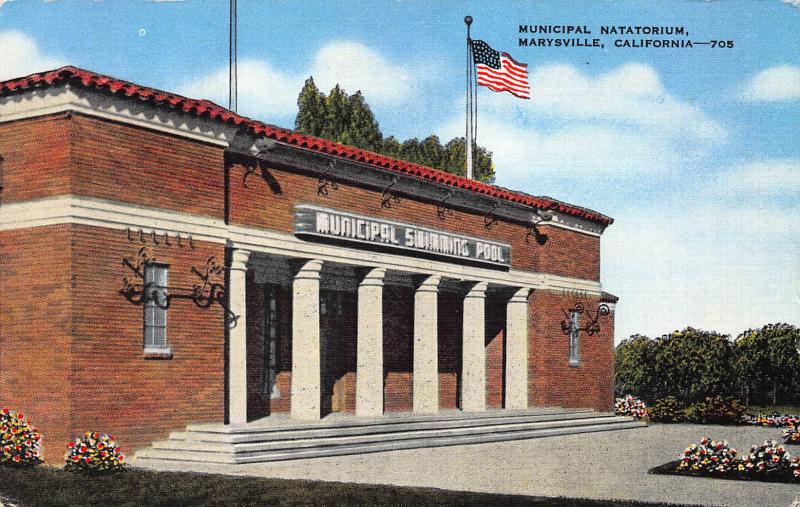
{"x": 689, "y": 366}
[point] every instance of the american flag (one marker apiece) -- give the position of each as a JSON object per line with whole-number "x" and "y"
{"x": 499, "y": 72}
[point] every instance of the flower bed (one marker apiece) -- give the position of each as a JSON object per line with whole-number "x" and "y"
{"x": 94, "y": 453}
{"x": 773, "y": 420}
{"x": 768, "y": 462}
{"x": 630, "y": 406}
{"x": 792, "y": 436}
{"x": 19, "y": 441}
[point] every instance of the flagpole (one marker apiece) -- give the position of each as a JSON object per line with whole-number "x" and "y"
{"x": 468, "y": 22}
{"x": 233, "y": 78}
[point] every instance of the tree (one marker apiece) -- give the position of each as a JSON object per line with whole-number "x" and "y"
{"x": 692, "y": 365}
{"x": 362, "y": 130}
{"x": 348, "y": 119}
{"x": 767, "y": 362}
{"x": 310, "y": 109}
{"x": 633, "y": 362}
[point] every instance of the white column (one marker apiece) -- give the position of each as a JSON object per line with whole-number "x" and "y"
{"x": 369, "y": 355}
{"x": 473, "y": 361}
{"x": 517, "y": 351}
{"x": 306, "y": 358}
{"x": 237, "y": 339}
{"x": 426, "y": 346}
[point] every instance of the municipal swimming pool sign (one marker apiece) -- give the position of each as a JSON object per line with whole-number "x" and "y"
{"x": 312, "y": 221}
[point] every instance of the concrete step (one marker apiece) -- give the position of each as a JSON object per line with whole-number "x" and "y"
{"x": 347, "y": 438}
{"x": 265, "y": 434}
{"x": 154, "y": 456}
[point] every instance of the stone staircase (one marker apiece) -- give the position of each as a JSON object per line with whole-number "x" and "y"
{"x": 278, "y": 438}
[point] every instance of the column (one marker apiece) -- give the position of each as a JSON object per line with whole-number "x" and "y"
{"x": 426, "y": 346}
{"x": 306, "y": 358}
{"x": 369, "y": 354}
{"x": 237, "y": 339}
{"x": 517, "y": 351}
{"x": 473, "y": 361}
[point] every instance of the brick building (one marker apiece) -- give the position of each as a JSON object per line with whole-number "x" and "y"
{"x": 164, "y": 261}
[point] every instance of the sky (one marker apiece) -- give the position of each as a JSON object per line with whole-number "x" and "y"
{"x": 693, "y": 151}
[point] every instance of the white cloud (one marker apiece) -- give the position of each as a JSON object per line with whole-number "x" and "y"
{"x": 271, "y": 93}
{"x": 262, "y": 89}
{"x": 793, "y": 3}
{"x": 356, "y": 67}
{"x": 21, "y": 56}
{"x": 775, "y": 84}
{"x": 619, "y": 125}
{"x": 767, "y": 177}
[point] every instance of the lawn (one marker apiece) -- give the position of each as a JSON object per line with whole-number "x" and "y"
{"x": 46, "y": 486}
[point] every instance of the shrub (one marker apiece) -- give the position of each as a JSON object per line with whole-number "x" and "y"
{"x": 709, "y": 456}
{"x": 630, "y": 406}
{"x": 668, "y": 410}
{"x": 94, "y": 453}
{"x": 792, "y": 435}
{"x": 716, "y": 410}
{"x": 19, "y": 440}
{"x": 766, "y": 460}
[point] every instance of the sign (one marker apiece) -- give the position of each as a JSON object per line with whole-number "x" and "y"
{"x": 321, "y": 222}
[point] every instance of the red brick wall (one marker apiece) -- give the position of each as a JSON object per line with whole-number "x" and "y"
{"x": 36, "y": 331}
{"x": 146, "y": 168}
{"x": 115, "y": 388}
{"x": 495, "y": 349}
{"x": 35, "y": 158}
{"x": 398, "y": 346}
{"x": 552, "y": 381}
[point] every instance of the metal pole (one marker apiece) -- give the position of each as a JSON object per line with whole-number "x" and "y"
{"x": 232, "y": 57}
{"x": 468, "y": 22}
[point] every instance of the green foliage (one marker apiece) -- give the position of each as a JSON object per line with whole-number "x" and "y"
{"x": 716, "y": 410}
{"x": 692, "y": 365}
{"x": 668, "y": 410}
{"x": 348, "y": 119}
{"x": 631, "y": 366}
{"x": 689, "y": 365}
{"x": 767, "y": 363}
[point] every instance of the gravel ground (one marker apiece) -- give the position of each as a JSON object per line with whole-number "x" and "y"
{"x": 609, "y": 465}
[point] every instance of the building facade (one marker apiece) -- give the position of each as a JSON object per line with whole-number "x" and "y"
{"x": 166, "y": 261}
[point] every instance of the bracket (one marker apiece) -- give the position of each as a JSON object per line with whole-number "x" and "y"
{"x": 441, "y": 209}
{"x": 489, "y": 220}
{"x": 250, "y": 169}
{"x": 387, "y": 197}
{"x": 324, "y": 182}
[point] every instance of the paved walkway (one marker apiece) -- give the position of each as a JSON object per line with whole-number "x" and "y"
{"x": 610, "y": 465}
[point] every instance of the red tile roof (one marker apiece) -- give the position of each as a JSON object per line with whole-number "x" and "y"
{"x": 208, "y": 109}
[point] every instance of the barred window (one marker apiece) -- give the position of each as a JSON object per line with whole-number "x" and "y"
{"x": 574, "y": 340}
{"x": 155, "y": 307}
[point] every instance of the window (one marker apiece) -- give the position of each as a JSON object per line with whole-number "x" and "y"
{"x": 269, "y": 388}
{"x": 574, "y": 339}
{"x": 155, "y": 308}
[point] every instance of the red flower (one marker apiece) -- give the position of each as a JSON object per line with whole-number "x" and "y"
{"x": 17, "y": 459}
{"x": 103, "y": 454}
{"x": 87, "y": 459}
{"x": 71, "y": 445}
{"x": 97, "y": 435}
{"x": 83, "y": 448}
{"x": 117, "y": 449}
{"x": 76, "y": 459}
{"x": 5, "y": 411}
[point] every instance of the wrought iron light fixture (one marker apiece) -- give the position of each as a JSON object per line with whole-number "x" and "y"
{"x": 592, "y": 327}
